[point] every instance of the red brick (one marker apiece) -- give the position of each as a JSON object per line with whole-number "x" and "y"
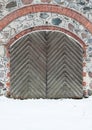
{"x": 46, "y": 8}
{"x": 7, "y": 52}
{"x": 8, "y": 74}
{"x": 45, "y": 28}
{"x": 84, "y": 74}
{"x": 84, "y": 83}
{"x": 84, "y": 55}
{"x": 7, "y": 84}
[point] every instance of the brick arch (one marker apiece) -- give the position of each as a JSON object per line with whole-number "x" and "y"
{"x": 40, "y": 28}
{"x": 46, "y": 8}
{"x": 50, "y": 28}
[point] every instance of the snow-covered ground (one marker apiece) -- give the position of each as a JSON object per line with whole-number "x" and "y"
{"x": 65, "y": 114}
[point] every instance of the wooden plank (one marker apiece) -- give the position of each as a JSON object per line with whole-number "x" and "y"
{"x": 28, "y": 68}
{"x": 69, "y": 53}
{"x": 46, "y": 64}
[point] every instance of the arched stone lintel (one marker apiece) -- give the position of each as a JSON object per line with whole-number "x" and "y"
{"x": 46, "y": 8}
{"x": 49, "y": 28}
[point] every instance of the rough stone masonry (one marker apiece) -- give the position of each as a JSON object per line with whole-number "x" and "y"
{"x": 19, "y": 17}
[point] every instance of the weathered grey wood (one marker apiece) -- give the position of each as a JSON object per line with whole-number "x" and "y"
{"x": 46, "y": 64}
{"x": 64, "y": 68}
{"x": 28, "y": 68}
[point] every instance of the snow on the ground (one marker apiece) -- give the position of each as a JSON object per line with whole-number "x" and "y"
{"x": 62, "y": 114}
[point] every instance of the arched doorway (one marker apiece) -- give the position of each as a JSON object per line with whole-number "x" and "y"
{"x": 46, "y": 64}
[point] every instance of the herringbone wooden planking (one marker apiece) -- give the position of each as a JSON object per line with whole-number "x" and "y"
{"x": 28, "y": 68}
{"x": 64, "y": 68}
{"x": 46, "y": 64}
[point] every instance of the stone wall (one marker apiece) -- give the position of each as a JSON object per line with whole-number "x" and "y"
{"x": 16, "y": 16}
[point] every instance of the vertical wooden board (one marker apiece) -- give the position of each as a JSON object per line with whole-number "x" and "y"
{"x": 28, "y": 67}
{"x": 64, "y": 67}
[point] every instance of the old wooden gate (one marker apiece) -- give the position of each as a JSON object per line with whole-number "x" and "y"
{"x": 46, "y": 64}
